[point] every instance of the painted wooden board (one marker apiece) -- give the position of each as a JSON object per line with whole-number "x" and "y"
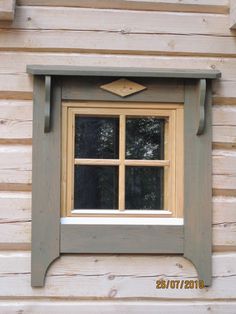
{"x": 45, "y": 189}
{"x": 49, "y": 18}
{"x": 116, "y": 306}
{"x": 219, "y": 6}
{"x": 121, "y": 239}
{"x": 115, "y": 277}
{"x": 139, "y": 72}
{"x": 232, "y": 15}
{"x": 198, "y": 182}
{"x": 7, "y": 10}
{"x": 157, "y": 90}
{"x": 117, "y": 42}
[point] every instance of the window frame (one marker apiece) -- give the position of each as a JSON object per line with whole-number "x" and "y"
{"x": 53, "y": 235}
{"x": 173, "y": 175}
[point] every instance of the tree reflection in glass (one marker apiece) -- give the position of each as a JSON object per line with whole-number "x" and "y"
{"x": 96, "y": 137}
{"x": 96, "y": 187}
{"x": 145, "y": 138}
{"x": 144, "y": 187}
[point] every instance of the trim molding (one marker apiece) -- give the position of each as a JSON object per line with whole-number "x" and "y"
{"x": 52, "y": 236}
{"x": 7, "y": 10}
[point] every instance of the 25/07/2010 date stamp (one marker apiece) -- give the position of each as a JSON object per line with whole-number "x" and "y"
{"x": 179, "y": 284}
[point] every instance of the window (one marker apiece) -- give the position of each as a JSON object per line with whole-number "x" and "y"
{"x": 106, "y": 163}
{"x": 122, "y": 159}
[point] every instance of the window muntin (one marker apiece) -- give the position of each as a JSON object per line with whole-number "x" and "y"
{"x": 129, "y": 145}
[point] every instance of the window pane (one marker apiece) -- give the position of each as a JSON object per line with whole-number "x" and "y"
{"x": 96, "y": 187}
{"x": 145, "y": 138}
{"x": 96, "y": 137}
{"x": 144, "y": 188}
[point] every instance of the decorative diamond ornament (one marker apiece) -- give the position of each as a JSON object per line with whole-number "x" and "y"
{"x": 123, "y": 87}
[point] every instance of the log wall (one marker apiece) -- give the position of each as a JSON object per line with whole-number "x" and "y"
{"x": 192, "y": 34}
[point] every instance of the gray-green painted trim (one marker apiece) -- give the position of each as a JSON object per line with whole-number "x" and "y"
{"x": 112, "y": 71}
{"x": 201, "y": 106}
{"x": 198, "y": 184}
{"x": 47, "y": 105}
{"x": 45, "y": 183}
{"x": 46, "y": 232}
{"x": 158, "y": 90}
{"x": 129, "y": 239}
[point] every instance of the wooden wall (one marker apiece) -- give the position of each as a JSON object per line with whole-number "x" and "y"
{"x": 192, "y": 34}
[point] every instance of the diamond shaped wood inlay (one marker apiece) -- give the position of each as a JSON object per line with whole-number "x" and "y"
{"x": 123, "y": 87}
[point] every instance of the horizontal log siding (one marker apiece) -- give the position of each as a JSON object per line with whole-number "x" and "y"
{"x": 123, "y": 33}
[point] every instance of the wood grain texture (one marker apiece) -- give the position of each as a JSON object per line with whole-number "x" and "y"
{"x": 197, "y": 185}
{"x": 206, "y": 6}
{"x": 117, "y": 42}
{"x": 45, "y": 188}
{"x": 15, "y": 119}
{"x": 62, "y": 18}
{"x": 106, "y": 277}
{"x": 114, "y": 306}
{"x": 16, "y": 164}
{"x": 15, "y": 207}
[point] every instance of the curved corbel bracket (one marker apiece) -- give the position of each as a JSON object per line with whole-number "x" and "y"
{"x": 40, "y": 267}
{"x": 203, "y": 268}
{"x": 47, "y": 105}
{"x": 201, "y": 106}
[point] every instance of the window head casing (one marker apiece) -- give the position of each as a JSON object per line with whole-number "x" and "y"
{"x": 51, "y": 234}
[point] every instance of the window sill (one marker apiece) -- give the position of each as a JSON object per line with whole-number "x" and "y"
{"x": 122, "y": 221}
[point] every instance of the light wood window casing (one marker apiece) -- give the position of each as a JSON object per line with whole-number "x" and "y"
{"x": 172, "y": 163}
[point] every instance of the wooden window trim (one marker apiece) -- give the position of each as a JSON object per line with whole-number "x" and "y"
{"x": 52, "y": 235}
{"x": 173, "y": 203}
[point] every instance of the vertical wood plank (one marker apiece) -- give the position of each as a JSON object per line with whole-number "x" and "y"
{"x": 197, "y": 185}
{"x": 46, "y": 184}
{"x": 179, "y": 152}
{"x": 122, "y": 163}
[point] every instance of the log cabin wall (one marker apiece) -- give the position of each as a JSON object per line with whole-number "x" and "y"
{"x": 162, "y": 34}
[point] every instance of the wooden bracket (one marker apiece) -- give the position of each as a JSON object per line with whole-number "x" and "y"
{"x": 47, "y": 105}
{"x": 232, "y": 15}
{"x": 7, "y": 10}
{"x": 201, "y": 107}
